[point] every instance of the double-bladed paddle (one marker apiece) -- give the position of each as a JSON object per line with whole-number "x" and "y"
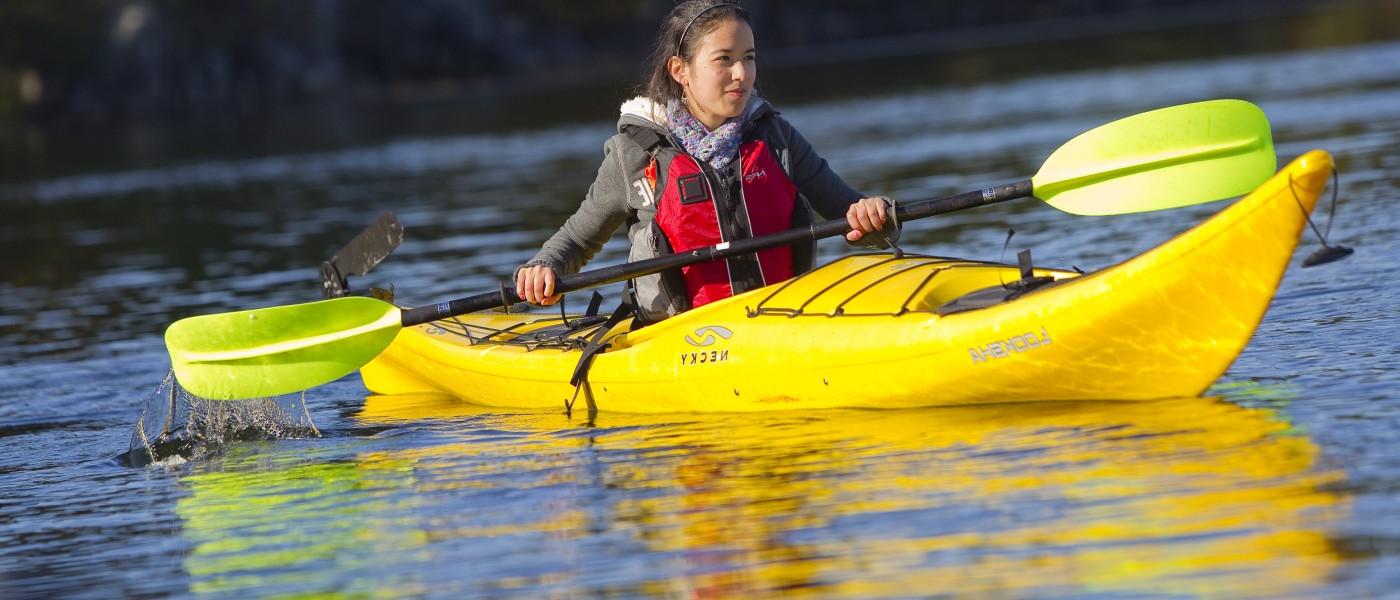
{"x": 1166, "y": 158}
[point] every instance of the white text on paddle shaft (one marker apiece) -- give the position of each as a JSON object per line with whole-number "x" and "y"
{"x": 1015, "y": 344}
{"x": 701, "y": 358}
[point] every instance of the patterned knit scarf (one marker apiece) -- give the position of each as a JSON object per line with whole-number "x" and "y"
{"x": 718, "y": 147}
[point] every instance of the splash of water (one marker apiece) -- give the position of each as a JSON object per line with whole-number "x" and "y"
{"x": 176, "y": 426}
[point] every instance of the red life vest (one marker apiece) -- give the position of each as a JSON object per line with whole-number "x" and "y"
{"x": 689, "y": 214}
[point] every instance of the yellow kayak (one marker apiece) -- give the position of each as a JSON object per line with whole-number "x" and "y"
{"x": 892, "y": 331}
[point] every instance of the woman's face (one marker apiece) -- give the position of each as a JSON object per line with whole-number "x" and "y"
{"x": 720, "y": 77}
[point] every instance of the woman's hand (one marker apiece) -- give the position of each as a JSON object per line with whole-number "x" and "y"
{"x": 867, "y": 215}
{"x": 535, "y": 284}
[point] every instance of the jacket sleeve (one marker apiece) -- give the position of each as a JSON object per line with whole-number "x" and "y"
{"x": 603, "y": 210}
{"x": 829, "y": 195}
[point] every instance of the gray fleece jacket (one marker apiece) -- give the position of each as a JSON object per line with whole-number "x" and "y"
{"x": 620, "y": 194}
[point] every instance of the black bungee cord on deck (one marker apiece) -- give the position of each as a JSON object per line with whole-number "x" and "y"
{"x": 1327, "y": 253}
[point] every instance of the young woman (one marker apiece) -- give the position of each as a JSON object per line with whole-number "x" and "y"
{"x": 698, "y": 160}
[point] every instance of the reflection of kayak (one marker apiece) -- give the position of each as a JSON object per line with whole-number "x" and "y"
{"x": 1183, "y": 497}
{"x": 1186, "y": 497}
{"x": 866, "y": 331}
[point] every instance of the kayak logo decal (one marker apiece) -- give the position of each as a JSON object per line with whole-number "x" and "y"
{"x": 703, "y": 358}
{"x": 708, "y": 335}
{"x": 1015, "y": 344}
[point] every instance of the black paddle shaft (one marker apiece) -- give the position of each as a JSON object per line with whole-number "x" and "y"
{"x": 587, "y": 279}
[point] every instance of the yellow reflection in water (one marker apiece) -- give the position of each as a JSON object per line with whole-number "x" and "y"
{"x": 1191, "y": 496}
{"x": 273, "y": 525}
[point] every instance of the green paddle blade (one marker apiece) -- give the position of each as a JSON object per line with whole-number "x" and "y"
{"x": 278, "y": 350}
{"x": 1161, "y": 159}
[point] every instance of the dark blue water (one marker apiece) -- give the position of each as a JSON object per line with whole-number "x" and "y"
{"x": 1285, "y": 482}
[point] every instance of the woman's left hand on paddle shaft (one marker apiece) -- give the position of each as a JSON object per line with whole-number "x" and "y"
{"x": 866, "y": 215}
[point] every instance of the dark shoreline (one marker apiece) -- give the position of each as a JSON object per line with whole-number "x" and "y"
{"x": 169, "y": 60}
{"x": 31, "y": 150}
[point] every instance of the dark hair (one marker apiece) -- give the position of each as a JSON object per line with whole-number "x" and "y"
{"x": 692, "y": 19}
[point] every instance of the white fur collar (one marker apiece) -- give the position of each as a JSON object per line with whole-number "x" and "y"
{"x": 645, "y": 108}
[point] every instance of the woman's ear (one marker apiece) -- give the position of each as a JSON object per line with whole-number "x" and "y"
{"x": 676, "y": 67}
